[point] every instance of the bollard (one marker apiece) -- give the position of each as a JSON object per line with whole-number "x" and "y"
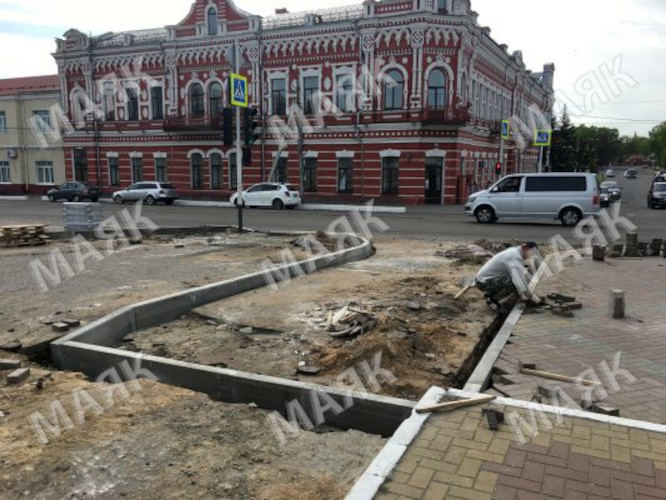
{"x": 599, "y": 253}
{"x": 617, "y": 306}
{"x": 632, "y": 245}
{"x": 655, "y": 247}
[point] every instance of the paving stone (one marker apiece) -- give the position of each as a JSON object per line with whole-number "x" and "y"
{"x": 9, "y": 364}
{"x": 18, "y": 376}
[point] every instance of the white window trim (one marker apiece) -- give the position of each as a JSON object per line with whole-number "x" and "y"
{"x": 214, "y": 151}
{"x": 136, "y": 86}
{"x": 195, "y": 151}
{"x": 159, "y": 84}
{"x": 160, "y": 155}
{"x": 436, "y": 153}
{"x": 7, "y": 165}
{"x": 112, "y": 154}
{"x": 312, "y": 154}
{"x": 37, "y": 167}
{"x": 276, "y": 75}
{"x": 283, "y": 154}
{"x": 345, "y": 154}
{"x": 135, "y": 154}
{"x": 346, "y": 71}
{"x": 108, "y": 165}
{"x": 3, "y": 129}
{"x": 390, "y": 153}
{"x": 307, "y": 73}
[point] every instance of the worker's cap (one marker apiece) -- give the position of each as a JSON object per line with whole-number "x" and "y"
{"x": 531, "y": 245}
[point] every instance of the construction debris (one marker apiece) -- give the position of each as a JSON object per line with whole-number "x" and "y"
{"x": 494, "y": 418}
{"x": 349, "y": 322}
{"x": 60, "y": 327}
{"x": 452, "y": 405}
{"x": 9, "y": 364}
{"x": 553, "y": 376}
{"x": 467, "y": 254}
{"x": 23, "y": 236}
{"x": 13, "y": 346}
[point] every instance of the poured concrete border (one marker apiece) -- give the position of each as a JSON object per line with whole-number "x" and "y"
{"x": 89, "y": 350}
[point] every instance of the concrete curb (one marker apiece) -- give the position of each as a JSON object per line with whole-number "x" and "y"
{"x": 13, "y": 198}
{"x": 478, "y": 380}
{"x": 88, "y": 350}
{"x": 226, "y": 204}
{"x": 381, "y": 467}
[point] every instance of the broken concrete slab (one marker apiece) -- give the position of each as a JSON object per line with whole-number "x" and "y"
{"x": 60, "y": 327}
{"x": 13, "y": 346}
{"x": 10, "y": 364}
{"x": 18, "y": 376}
{"x": 72, "y": 323}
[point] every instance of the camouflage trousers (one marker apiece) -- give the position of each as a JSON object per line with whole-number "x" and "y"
{"x": 498, "y": 289}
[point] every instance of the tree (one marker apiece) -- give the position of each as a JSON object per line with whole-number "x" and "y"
{"x": 658, "y": 143}
{"x": 563, "y": 151}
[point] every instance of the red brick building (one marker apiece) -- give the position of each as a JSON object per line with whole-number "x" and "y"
{"x": 403, "y": 101}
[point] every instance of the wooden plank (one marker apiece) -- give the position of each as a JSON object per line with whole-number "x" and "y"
{"x": 557, "y": 376}
{"x": 452, "y": 405}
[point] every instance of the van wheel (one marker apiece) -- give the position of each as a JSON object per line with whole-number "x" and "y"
{"x": 485, "y": 215}
{"x": 570, "y": 217}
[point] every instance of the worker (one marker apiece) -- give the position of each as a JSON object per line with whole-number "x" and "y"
{"x": 505, "y": 276}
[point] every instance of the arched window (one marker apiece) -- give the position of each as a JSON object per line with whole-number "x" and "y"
{"x": 215, "y": 100}
{"x": 216, "y": 171}
{"x": 437, "y": 98}
{"x": 197, "y": 171}
{"x": 211, "y": 20}
{"x": 394, "y": 86}
{"x": 197, "y": 100}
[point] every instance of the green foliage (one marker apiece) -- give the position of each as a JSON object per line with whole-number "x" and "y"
{"x": 658, "y": 143}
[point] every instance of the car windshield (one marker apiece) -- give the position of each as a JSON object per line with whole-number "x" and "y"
{"x": 609, "y": 185}
{"x": 661, "y": 188}
{"x": 604, "y": 190}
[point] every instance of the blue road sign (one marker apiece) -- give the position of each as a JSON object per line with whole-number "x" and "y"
{"x": 239, "y": 95}
{"x": 543, "y": 138}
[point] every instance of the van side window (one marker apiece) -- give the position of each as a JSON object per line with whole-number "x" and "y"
{"x": 552, "y": 184}
{"x": 510, "y": 185}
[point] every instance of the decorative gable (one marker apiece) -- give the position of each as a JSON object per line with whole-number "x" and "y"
{"x": 226, "y": 12}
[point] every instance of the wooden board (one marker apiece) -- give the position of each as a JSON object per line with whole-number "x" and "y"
{"x": 452, "y": 405}
{"x": 557, "y": 376}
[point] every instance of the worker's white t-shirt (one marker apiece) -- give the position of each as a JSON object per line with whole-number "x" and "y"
{"x": 507, "y": 263}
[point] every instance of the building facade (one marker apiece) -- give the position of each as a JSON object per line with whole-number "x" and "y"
{"x": 28, "y": 164}
{"x": 396, "y": 100}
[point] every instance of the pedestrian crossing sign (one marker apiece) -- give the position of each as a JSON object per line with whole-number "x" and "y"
{"x": 506, "y": 129}
{"x": 239, "y": 95}
{"x": 543, "y": 138}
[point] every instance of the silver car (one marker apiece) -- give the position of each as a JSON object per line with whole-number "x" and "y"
{"x": 148, "y": 192}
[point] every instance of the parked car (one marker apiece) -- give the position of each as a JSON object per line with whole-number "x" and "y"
{"x": 74, "y": 191}
{"x": 614, "y": 189}
{"x": 610, "y": 173}
{"x": 269, "y": 194}
{"x": 567, "y": 197}
{"x": 657, "y": 195}
{"x": 632, "y": 173}
{"x": 148, "y": 192}
{"x": 605, "y": 197}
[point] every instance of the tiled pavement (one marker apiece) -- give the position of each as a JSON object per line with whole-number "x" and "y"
{"x": 455, "y": 456}
{"x": 569, "y": 346}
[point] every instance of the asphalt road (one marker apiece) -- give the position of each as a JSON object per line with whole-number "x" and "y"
{"x": 421, "y": 222}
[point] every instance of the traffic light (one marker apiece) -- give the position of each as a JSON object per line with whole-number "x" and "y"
{"x": 250, "y": 127}
{"x": 228, "y": 127}
{"x": 498, "y": 168}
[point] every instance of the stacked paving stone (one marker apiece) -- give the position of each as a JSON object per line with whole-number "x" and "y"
{"x": 21, "y": 236}
{"x": 82, "y": 217}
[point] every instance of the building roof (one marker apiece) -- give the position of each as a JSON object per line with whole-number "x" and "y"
{"x": 31, "y": 84}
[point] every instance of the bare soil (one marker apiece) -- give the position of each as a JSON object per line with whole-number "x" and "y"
{"x": 165, "y": 442}
{"x": 424, "y": 336}
{"x": 159, "y": 266}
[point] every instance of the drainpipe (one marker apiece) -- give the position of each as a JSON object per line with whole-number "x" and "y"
{"x": 22, "y": 141}
{"x": 358, "y": 117}
{"x": 262, "y": 107}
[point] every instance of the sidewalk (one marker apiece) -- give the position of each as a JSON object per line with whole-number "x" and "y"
{"x": 552, "y": 448}
{"x": 456, "y": 456}
{"x": 569, "y": 346}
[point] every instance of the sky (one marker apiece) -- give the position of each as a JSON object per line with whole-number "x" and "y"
{"x": 609, "y": 54}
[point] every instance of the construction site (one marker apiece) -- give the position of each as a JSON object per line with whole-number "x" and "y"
{"x": 214, "y": 364}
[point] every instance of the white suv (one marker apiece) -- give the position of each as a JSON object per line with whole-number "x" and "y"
{"x": 269, "y": 194}
{"x": 148, "y": 192}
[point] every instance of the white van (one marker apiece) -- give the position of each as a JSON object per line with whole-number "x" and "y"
{"x": 563, "y": 196}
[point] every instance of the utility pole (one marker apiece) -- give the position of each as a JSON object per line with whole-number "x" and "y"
{"x": 239, "y": 151}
